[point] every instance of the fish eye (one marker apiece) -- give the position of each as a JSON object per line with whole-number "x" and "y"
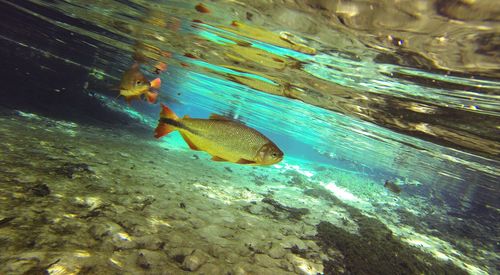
{"x": 138, "y": 82}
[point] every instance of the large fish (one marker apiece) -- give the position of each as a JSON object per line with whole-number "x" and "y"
{"x": 134, "y": 84}
{"x": 223, "y": 138}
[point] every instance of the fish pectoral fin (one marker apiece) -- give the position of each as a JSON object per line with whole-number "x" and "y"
{"x": 189, "y": 142}
{"x": 245, "y": 161}
{"x": 219, "y": 117}
{"x": 129, "y": 99}
{"x": 216, "y": 158}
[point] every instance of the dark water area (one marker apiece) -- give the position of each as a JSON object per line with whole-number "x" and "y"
{"x": 390, "y": 131}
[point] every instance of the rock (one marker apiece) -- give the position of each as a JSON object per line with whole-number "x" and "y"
{"x": 143, "y": 262}
{"x": 125, "y": 155}
{"x": 312, "y": 245}
{"x": 255, "y": 209}
{"x": 40, "y": 190}
{"x": 68, "y": 264}
{"x": 197, "y": 223}
{"x": 112, "y": 233}
{"x": 102, "y": 229}
{"x": 227, "y": 217}
{"x": 71, "y": 170}
{"x": 214, "y": 231}
{"x": 265, "y": 261}
{"x": 24, "y": 263}
{"x": 91, "y": 203}
{"x": 293, "y": 213}
{"x": 150, "y": 242}
{"x": 179, "y": 215}
{"x": 302, "y": 266}
{"x": 26, "y": 179}
{"x": 179, "y": 254}
{"x": 291, "y": 241}
{"x": 4, "y": 221}
{"x": 210, "y": 269}
{"x": 241, "y": 268}
{"x": 174, "y": 240}
{"x": 122, "y": 240}
{"x": 195, "y": 260}
{"x": 147, "y": 259}
{"x": 277, "y": 252}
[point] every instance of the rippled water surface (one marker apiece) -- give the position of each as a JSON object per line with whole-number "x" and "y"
{"x": 401, "y": 90}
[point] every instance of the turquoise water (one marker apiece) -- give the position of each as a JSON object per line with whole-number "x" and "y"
{"x": 355, "y": 94}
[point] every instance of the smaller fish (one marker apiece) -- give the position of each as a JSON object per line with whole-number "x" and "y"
{"x": 392, "y": 187}
{"x": 160, "y": 67}
{"x": 134, "y": 84}
{"x": 202, "y": 8}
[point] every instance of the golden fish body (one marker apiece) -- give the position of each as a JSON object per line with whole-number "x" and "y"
{"x": 224, "y": 139}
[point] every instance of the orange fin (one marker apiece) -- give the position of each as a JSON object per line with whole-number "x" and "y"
{"x": 167, "y": 113}
{"x": 159, "y": 68}
{"x": 151, "y": 96}
{"x": 189, "y": 142}
{"x": 216, "y": 158}
{"x": 219, "y": 117}
{"x": 186, "y": 116}
{"x": 163, "y": 129}
{"x": 245, "y": 161}
{"x": 156, "y": 83}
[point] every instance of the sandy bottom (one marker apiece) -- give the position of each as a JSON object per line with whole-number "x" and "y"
{"x": 81, "y": 199}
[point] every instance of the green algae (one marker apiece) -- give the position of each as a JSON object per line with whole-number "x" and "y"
{"x": 376, "y": 251}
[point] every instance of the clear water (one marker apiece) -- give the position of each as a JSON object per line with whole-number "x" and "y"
{"x": 355, "y": 93}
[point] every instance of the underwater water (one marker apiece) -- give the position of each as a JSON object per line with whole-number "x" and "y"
{"x": 387, "y": 113}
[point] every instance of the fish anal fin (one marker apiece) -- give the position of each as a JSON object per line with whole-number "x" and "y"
{"x": 219, "y": 117}
{"x": 189, "y": 142}
{"x": 216, "y": 158}
{"x": 163, "y": 129}
{"x": 245, "y": 161}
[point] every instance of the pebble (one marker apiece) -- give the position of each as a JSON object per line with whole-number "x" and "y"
{"x": 255, "y": 209}
{"x": 194, "y": 261}
{"x": 148, "y": 259}
{"x": 210, "y": 269}
{"x": 291, "y": 241}
{"x": 150, "y": 242}
{"x": 302, "y": 266}
{"x": 125, "y": 155}
{"x": 265, "y": 261}
{"x": 277, "y": 252}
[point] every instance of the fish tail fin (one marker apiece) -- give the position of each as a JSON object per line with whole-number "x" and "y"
{"x": 164, "y": 127}
{"x": 156, "y": 83}
{"x": 152, "y": 96}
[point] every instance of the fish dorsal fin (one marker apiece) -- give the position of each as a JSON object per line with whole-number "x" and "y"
{"x": 245, "y": 161}
{"x": 189, "y": 142}
{"x": 219, "y": 117}
{"x": 216, "y": 158}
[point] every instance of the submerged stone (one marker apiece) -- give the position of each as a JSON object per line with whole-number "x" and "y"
{"x": 194, "y": 261}
{"x": 293, "y": 213}
{"x": 69, "y": 169}
{"x": 40, "y": 190}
